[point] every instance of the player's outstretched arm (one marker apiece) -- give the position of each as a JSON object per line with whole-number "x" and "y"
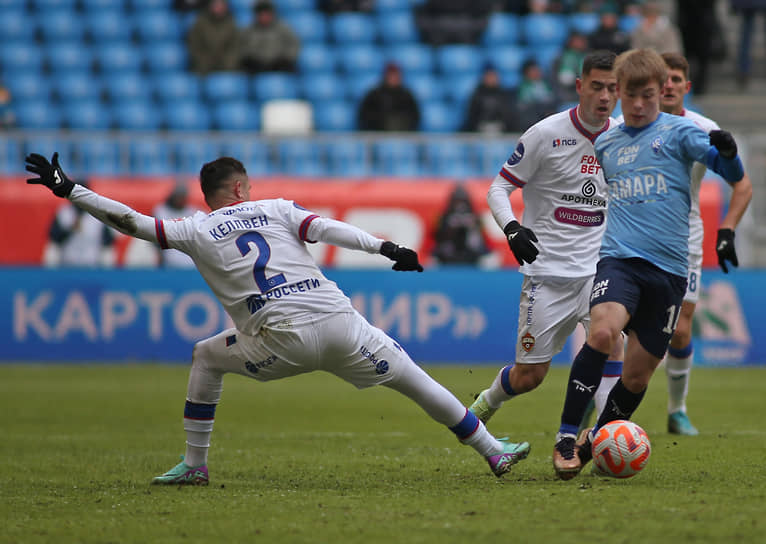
{"x": 742, "y": 193}
{"x": 405, "y": 259}
{"x": 722, "y": 157}
{"x": 113, "y": 213}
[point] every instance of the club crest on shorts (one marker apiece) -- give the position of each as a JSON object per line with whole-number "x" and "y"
{"x": 527, "y": 342}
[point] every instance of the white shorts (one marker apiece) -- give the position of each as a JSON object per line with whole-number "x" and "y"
{"x": 693, "y": 279}
{"x": 343, "y": 344}
{"x": 549, "y": 311}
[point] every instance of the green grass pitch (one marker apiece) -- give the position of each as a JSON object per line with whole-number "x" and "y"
{"x": 313, "y": 460}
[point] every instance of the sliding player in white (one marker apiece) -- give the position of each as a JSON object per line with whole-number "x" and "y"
{"x": 564, "y": 212}
{"x": 289, "y": 318}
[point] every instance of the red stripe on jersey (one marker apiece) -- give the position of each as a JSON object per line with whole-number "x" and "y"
{"x": 159, "y": 228}
{"x": 305, "y": 227}
{"x": 511, "y": 178}
{"x": 584, "y": 131}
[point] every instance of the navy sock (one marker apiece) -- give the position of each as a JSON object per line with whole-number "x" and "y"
{"x": 620, "y": 404}
{"x": 584, "y": 378}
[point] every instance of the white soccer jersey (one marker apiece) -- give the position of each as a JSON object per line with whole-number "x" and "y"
{"x": 251, "y": 254}
{"x": 564, "y": 195}
{"x": 173, "y": 257}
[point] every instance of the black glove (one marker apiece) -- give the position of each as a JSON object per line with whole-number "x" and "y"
{"x": 51, "y": 175}
{"x": 520, "y": 241}
{"x": 405, "y": 258}
{"x": 724, "y": 143}
{"x": 724, "y": 246}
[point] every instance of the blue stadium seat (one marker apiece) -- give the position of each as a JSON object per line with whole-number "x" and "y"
{"x": 502, "y": 29}
{"x": 271, "y": 85}
{"x": 153, "y": 25}
{"x": 86, "y": 114}
{"x": 15, "y": 25}
{"x": 322, "y": 86}
{"x": 136, "y": 115}
{"x": 357, "y": 85}
{"x": 459, "y": 58}
{"x": 411, "y": 57}
{"x": 175, "y": 86}
{"x": 98, "y": 156}
{"x": 65, "y": 56}
{"x": 492, "y": 154}
{"x": 397, "y": 27}
{"x": 243, "y": 16}
{"x": 584, "y": 22}
{"x": 299, "y": 157}
{"x": 37, "y": 114}
{"x": 545, "y": 56}
{"x": 459, "y": 88}
{"x": 150, "y": 157}
{"x": 437, "y": 116}
{"x": 316, "y": 58}
{"x": 425, "y": 86}
{"x": 236, "y": 115}
{"x": 191, "y": 153}
{"x": 127, "y": 85}
{"x": 393, "y": 5}
{"x": 507, "y": 58}
{"x": 95, "y": 5}
{"x": 59, "y": 24}
{"x": 395, "y": 157}
{"x": 76, "y": 85}
{"x": 141, "y": 5}
{"x": 360, "y": 58}
{"x": 295, "y": 5}
{"x": 352, "y": 28}
{"x": 221, "y": 86}
{"x": 10, "y": 157}
{"x": 334, "y": 115}
{"x": 45, "y": 5}
{"x": 347, "y": 157}
{"x": 20, "y": 57}
{"x": 254, "y": 155}
{"x": 542, "y": 29}
{"x": 164, "y": 56}
{"x": 26, "y": 85}
{"x": 628, "y": 23}
{"x": 107, "y": 25}
{"x": 310, "y": 26}
{"x": 47, "y": 145}
{"x": 448, "y": 157}
{"x": 187, "y": 115}
{"x": 118, "y": 56}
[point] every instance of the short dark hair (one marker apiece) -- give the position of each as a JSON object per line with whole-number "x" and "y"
{"x": 598, "y": 60}
{"x": 215, "y": 174}
{"x": 676, "y": 61}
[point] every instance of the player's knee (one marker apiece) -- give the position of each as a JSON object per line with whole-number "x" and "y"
{"x": 601, "y": 339}
{"x": 202, "y": 353}
{"x": 683, "y": 333}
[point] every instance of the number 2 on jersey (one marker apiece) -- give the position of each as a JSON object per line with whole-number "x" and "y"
{"x": 264, "y": 254}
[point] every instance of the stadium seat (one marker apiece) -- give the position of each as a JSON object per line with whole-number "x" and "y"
{"x": 357, "y": 85}
{"x": 295, "y": 5}
{"x": 299, "y": 157}
{"x": 149, "y": 156}
{"x": 46, "y": 145}
{"x": 584, "y": 22}
{"x": 59, "y": 24}
{"x": 220, "y": 86}
{"x": 322, "y": 86}
{"x": 86, "y": 114}
{"x": 347, "y": 157}
{"x": 153, "y": 25}
{"x": 502, "y": 29}
{"x": 107, "y": 25}
{"x": 274, "y": 85}
{"x": 334, "y": 116}
{"x": 98, "y": 156}
{"x": 287, "y": 116}
{"x": 164, "y": 56}
{"x": 543, "y": 29}
{"x": 175, "y": 86}
{"x": 10, "y": 157}
{"x": 15, "y": 25}
{"x": 411, "y": 57}
{"x": 236, "y": 115}
{"x": 459, "y": 88}
{"x": 507, "y": 58}
{"x": 136, "y": 115}
{"x": 316, "y": 58}
{"x": 127, "y": 85}
{"x": 448, "y": 157}
{"x": 628, "y": 23}
{"x": 46, "y": 5}
{"x": 190, "y": 154}
{"x": 118, "y": 56}
{"x": 243, "y": 16}
{"x": 253, "y": 154}
{"x": 424, "y": 86}
{"x": 37, "y": 114}
{"x": 64, "y": 56}
{"x": 142, "y": 5}
{"x": 395, "y": 157}
{"x": 352, "y": 28}
{"x": 393, "y": 5}
{"x": 95, "y": 5}
{"x": 75, "y": 85}
{"x": 187, "y": 115}
{"x": 397, "y": 27}
{"x": 27, "y": 85}
{"x": 310, "y": 26}
{"x": 20, "y": 57}
{"x": 360, "y": 58}
{"x": 437, "y": 116}
{"x": 545, "y": 56}
{"x": 459, "y": 58}
{"x": 492, "y": 154}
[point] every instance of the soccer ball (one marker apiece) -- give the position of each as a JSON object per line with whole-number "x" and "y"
{"x": 621, "y": 449}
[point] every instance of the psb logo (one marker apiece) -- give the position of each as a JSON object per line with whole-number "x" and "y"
{"x": 657, "y": 144}
{"x": 558, "y": 142}
{"x": 527, "y": 342}
{"x": 518, "y": 154}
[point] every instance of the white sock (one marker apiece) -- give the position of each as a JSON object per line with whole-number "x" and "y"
{"x": 483, "y": 442}
{"x": 197, "y": 441}
{"x": 497, "y": 393}
{"x": 612, "y": 372}
{"x": 678, "y": 370}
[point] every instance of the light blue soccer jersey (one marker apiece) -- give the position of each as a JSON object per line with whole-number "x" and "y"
{"x": 648, "y": 171}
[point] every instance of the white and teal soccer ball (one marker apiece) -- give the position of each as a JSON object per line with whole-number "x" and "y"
{"x": 621, "y": 449}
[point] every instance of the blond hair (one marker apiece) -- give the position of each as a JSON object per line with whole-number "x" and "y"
{"x": 639, "y": 67}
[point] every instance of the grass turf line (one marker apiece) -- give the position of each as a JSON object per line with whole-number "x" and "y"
{"x": 311, "y": 459}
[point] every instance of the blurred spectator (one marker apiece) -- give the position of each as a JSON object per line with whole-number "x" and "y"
{"x": 452, "y": 21}
{"x": 567, "y": 67}
{"x": 748, "y": 10}
{"x": 7, "y": 117}
{"x": 459, "y": 238}
{"x": 492, "y": 108}
{"x": 697, "y": 23}
{"x": 76, "y": 238}
{"x": 608, "y": 34}
{"x": 268, "y": 44}
{"x": 189, "y": 5}
{"x": 655, "y": 31}
{"x": 389, "y": 106}
{"x": 519, "y": 7}
{"x": 535, "y": 97}
{"x": 213, "y": 39}
{"x": 175, "y": 206}
{"x": 338, "y": 6}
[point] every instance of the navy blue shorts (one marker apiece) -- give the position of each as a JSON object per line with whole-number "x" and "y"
{"x": 652, "y": 297}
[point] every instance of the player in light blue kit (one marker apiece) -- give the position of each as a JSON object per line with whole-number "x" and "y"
{"x": 641, "y": 275}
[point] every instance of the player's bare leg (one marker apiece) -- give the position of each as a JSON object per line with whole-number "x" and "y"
{"x": 512, "y": 380}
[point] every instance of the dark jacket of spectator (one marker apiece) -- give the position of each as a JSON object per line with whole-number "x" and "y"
{"x": 608, "y": 35}
{"x": 339, "y": 6}
{"x": 268, "y": 44}
{"x": 492, "y": 108}
{"x": 459, "y": 238}
{"x": 213, "y": 40}
{"x": 390, "y": 106}
{"x": 452, "y": 21}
